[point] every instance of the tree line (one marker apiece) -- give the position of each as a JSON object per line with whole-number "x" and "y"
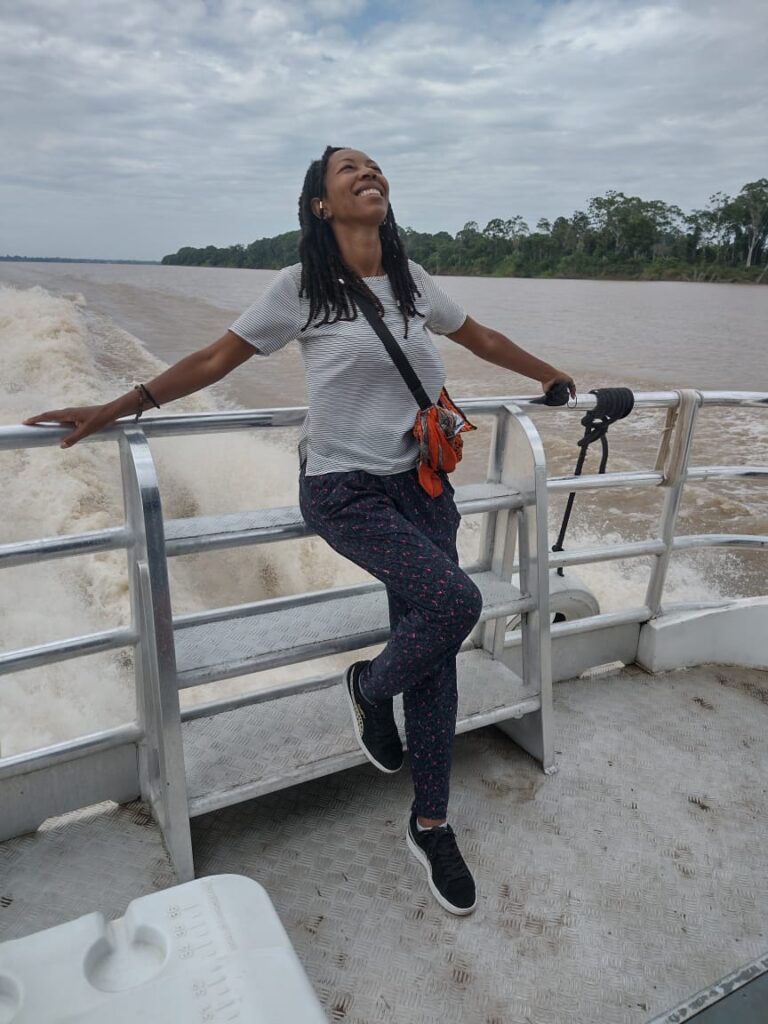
{"x": 616, "y": 236}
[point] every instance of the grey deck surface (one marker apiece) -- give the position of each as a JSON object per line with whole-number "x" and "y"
{"x": 609, "y": 892}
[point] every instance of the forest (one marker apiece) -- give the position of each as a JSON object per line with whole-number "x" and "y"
{"x": 616, "y": 236}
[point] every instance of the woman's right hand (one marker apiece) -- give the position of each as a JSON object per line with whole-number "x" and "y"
{"x": 197, "y": 370}
{"x": 86, "y": 419}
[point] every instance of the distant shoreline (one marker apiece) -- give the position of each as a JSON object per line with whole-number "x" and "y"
{"x": 73, "y": 259}
{"x": 677, "y": 274}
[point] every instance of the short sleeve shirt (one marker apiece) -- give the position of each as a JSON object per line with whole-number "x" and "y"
{"x": 361, "y": 412}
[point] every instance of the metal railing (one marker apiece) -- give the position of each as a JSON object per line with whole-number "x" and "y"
{"x": 673, "y": 476}
{"x": 156, "y": 734}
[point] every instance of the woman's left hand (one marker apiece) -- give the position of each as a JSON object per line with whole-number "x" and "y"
{"x": 563, "y": 379}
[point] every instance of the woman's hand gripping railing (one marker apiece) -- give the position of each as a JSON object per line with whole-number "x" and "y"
{"x": 612, "y": 404}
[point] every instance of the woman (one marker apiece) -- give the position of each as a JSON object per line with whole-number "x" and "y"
{"x": 358, "y": 485}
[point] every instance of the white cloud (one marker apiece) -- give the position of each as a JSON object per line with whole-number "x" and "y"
{"x": 133, "y": 129}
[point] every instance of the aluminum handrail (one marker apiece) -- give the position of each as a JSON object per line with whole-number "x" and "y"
{"x": 604, "y": 481}
{"x": 48, "y": 548}
{"x": 70, "y": 750}
{"x": 700, "y": 474}
{"x": 719, "y": 540}
{"x": 116, "y": 537}
{"x": 19, "y": 436}
{"x": 64, "y": 650}
{"x": 605, "y": 553}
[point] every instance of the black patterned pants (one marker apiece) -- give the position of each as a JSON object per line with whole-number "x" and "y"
{"x": 394, "y": 530}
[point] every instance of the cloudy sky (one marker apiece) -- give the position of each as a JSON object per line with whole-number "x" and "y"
{"x": 129, "y": 128}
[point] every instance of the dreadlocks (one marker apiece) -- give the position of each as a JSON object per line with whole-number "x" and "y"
{"x": 325, "y": 279}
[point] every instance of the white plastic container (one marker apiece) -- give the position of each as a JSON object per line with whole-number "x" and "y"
{"x": 207, "y": 952}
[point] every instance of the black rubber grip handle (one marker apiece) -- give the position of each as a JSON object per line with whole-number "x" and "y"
{"x": 558, "y": 394}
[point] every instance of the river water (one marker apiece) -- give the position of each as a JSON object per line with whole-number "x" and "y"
{"x": 83, "y": 333}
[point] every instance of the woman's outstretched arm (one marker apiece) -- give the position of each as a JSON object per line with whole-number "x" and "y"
{"x": 196, "y": 371}
{"x": 496, "y": 348}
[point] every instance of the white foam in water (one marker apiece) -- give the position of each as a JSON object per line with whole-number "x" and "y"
{"x": 49, "y": 358}
{"x": 55, "y": 352}
{"x": 618, "y": 585}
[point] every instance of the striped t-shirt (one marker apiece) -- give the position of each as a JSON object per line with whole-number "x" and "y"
{"x": 361, "y": 411}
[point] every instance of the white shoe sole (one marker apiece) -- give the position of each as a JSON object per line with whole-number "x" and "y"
{"x": 358, "y": 735}
{"x": 420, "y": 856}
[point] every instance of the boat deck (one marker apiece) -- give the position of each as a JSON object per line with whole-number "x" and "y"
{"x": 608, "y": 892}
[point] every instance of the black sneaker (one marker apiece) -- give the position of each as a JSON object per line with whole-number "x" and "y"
{"x": 374, "y": 725}
{"x": 449, "y": 877}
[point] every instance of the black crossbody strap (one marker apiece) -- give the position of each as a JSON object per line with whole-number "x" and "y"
{"x": 408, "y": 373}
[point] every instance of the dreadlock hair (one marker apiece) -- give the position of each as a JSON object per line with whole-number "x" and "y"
{"x": 325, "y": 279}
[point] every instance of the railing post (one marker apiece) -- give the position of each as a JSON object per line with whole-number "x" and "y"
{"x": 161, "y": 753}
{"x": 525, "y": 471}
{"x": 497, "y": 540}
{"x": 673, "y": 459}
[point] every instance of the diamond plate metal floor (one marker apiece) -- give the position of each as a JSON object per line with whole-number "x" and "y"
{"x": 607, "y": 892}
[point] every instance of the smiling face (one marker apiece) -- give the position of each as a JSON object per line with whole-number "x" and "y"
{"x": 356, "y": 192}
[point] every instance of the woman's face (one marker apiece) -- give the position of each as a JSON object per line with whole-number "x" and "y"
{"x": 356, "y": 192}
